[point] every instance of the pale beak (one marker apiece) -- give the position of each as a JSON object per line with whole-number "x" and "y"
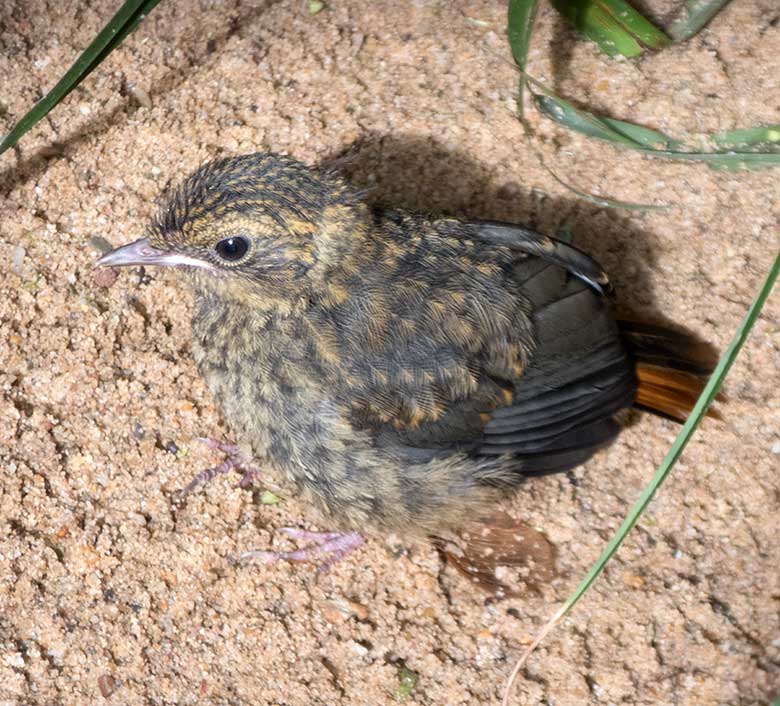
{"x": 141, "y": 252}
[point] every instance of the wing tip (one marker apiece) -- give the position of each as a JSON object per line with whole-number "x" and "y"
{"x": 572, "y": 259}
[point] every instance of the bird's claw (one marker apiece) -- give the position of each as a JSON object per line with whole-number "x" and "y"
{"x": 235, "y": 459}
{"x": 330, "y": 546}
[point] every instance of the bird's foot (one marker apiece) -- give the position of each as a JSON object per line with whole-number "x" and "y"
{"x": 235, "y": 460}
{"x": 330, "y": 547}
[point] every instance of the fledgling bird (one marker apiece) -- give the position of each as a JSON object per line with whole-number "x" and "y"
{"x": 403, "y": 370}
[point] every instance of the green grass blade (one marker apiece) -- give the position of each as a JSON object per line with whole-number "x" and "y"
{"x": 766, "y": 138}
{"x": 146, "y": 7}
{"x": 121, "y": 24}
{"x": 614, "y": 25}
{"x": 656, "y": 144}
{"x": 700, "y": 409}
{"x": 520, "y": 25}
{"x": 587, "y": 18}
{"x": 644, "y": 30}
{"x": 607, "y": 129}
{"x": 741, "y": 143}
{"x": 605, "y": 202}
{"x": 694, "y": 15}
{"x": 732, "y": 162}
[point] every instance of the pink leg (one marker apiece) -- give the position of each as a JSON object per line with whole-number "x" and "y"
{"x": 235, "y": 459}
{"x": 332, "y": 546}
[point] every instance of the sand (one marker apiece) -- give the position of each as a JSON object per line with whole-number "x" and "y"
{"x": 111, "y": 593}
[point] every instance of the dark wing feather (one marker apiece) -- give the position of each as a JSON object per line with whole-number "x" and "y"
{"x": 550, "y": 250}
{"x": 579, "y": 376}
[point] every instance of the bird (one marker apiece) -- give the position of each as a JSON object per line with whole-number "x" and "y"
{"x": 406, "y": 371}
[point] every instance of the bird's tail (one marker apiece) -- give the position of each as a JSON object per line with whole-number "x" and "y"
{"x": 672, "y": 368}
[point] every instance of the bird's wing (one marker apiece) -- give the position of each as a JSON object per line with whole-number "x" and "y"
{"x": 550, "y": 250}
{"x": 516, "y": 353}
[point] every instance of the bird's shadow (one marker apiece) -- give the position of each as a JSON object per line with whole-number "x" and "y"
{"x": 418, "y": 173}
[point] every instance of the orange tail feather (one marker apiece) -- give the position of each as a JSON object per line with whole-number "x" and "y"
{"x": 669, "y": 392}
{"x": 672, "y": 368}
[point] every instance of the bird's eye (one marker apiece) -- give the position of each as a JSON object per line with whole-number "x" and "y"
{"x": 232, "y": 249}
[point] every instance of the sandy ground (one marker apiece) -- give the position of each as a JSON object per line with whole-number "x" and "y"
{"x": 108, "y": 593}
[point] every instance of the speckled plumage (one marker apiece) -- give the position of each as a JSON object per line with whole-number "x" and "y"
{"x": 401, "y": 369}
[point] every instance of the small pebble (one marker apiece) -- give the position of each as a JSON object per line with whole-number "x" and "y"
{"x": 15, "y": 660}
{"x": 17, "y": 259}
{"x": 138, "y": 431}
{"x": 104, "y": 277}
{"x": 339, "y": 609}
{"x": 776, "y": 447}
{"x": 358, "y": 649}
{"x": 139, "y": 95}
{"x": 107, "y": 685}
{"x": 109, "y": 595}
{"x": 171, "y": 447}
{"x": 55, "y": 149}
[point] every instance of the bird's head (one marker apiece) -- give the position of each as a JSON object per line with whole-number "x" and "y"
{"x": 260, "y": 225}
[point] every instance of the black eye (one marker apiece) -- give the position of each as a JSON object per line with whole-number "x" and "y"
{"x": 232, "y": 249}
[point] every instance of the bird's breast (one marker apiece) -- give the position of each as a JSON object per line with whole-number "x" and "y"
{"x": 272, "y": 391}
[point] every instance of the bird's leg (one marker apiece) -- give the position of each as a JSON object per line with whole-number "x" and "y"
{"x": 235, "y": 460}
{"x": 330, "y": 546}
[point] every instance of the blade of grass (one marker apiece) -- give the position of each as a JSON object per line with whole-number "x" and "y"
{"x": 634, "y": 22}
{"x": 614, "y": 25}
{"x": 111, "y": 36}
{"x": 699, "y": 411}
{"x": 750, "y": 138}
{"x": 748, "y": 148}
{"x": 693, "y": 16}
{"x": 607, "y": 129}
{"x": 597, "y": 26}
{"x": 607, "y": 202}
{"x": 520, "y": 25}
{"x": 641, "y": 139}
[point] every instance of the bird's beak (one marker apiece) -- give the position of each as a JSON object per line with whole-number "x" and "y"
{"x": 141, "y": 252}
